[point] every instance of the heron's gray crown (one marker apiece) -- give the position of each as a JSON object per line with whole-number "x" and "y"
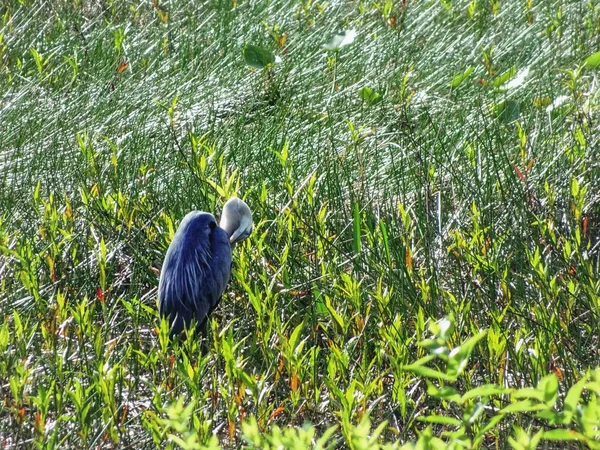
{"x": 236, "y": 220}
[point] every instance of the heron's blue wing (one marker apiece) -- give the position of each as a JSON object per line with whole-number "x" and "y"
{"x": 193, "y": 279}
{"x": 217, "y": 274}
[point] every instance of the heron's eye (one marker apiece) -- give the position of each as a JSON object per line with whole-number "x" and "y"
{"x": 212, "y": 225}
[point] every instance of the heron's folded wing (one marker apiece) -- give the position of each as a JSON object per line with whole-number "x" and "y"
{"x": 216, "y": 274}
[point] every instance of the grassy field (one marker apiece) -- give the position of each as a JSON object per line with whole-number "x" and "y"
{"x": 443, "y": 160}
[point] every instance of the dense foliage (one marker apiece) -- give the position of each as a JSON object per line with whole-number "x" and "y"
{"x": 405, "y": 160}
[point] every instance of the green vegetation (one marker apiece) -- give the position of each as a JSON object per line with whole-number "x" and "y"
{"x": 405, "y": 161}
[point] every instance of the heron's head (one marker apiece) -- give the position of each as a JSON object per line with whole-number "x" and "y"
{"x": 236, "y": 220}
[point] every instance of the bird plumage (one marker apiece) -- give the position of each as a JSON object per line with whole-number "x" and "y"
{"x": 197, "y": 265}
{"x": 195, "y": 272}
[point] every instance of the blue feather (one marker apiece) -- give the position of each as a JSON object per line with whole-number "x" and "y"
{"x": 195, "y": 272}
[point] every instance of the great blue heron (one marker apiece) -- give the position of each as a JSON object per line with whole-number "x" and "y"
{"x": 197, "y": 265}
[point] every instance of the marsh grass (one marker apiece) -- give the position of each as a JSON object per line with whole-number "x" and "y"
{"x": 444, "y": 163}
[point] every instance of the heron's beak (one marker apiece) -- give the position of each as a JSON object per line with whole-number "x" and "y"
{"x": 243, "y": 231}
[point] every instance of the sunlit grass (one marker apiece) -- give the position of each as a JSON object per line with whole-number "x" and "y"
{"x": 443, "y": 163}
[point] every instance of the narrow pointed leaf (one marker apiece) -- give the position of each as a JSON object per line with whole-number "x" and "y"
{"x": 458, "y": 79}
{"x": 592, "y": 61}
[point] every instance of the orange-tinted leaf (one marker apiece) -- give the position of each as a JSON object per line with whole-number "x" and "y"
{"x": 239, "y": 395}
{"x": 530, "y": 164}
{"x": 122, "y": 66}
{"x": 279, "y": 368}
{"x": 559, "y": 373}
{"x": 231, "y": 429}
{"x": 276, "y": 412}
{"x": 299, "y": 293}
{"x": 294, "y": 383}
{"x": 38, "y": 423}
{"x": 282, "y": 40}
{"x": 520, "y": 174}
{"x": 68, "y": 211}
{"x": 408, "y": 258}
{"x": 486, "y": 245}
{"x": 584, "y": 225}
{"x": 360, "y": 322}
{"x": 100, "y": 294}
{"x": 124, "y": 414}
{"x": 163, "y": 15}
{"x": 393, "y": 22}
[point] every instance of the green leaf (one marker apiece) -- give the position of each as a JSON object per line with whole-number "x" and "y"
{"x": 525, "y": 405}
{"x": 508, "y": 111}
{"x": 442, "y": 328}
{"x": 295, "y": 336}
{"x": 370, "y": 96}
{"x": 535, "y": 439}
{"x": 459, "y": 356}
{"x": 249, "y": 381}
{"x": 491, "y": 424}
{"x": 523, "y": 440}
{"x": 386, "y": 246}
{"x": 340, "y": 40}
{"x": 443, "y": 392}
{"x": 487, "y": 390}
{"x": 321, "y": 308}
{"x": 36, "y": 192}
{"x": 437, "y": 346}
{"x": 444, "y": 420}
{"x": 592, "y": 61}
{"x": 257, "y": 57}
{"x": 477, "y": 412}
{"x": 529, "y": 393}
{"x": 427, "y": 372}
{"x": 338, "y": 319}
{"x": 356, "y": 228}
{"x": 424, "y": 360}
{"x": 4, "y": 337}
{"x": 325, "y": 438}
{"x": 549, "y": 386}
{"x": 501, "y": 79}
{"x": 593, "y": 386}
{"x": 562, "y": 435}
{"x": 458, "y": 79}
{"x": 552, "y": 417}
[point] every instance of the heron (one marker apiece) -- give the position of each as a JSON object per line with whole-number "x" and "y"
{"x": 197, "y": 265}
